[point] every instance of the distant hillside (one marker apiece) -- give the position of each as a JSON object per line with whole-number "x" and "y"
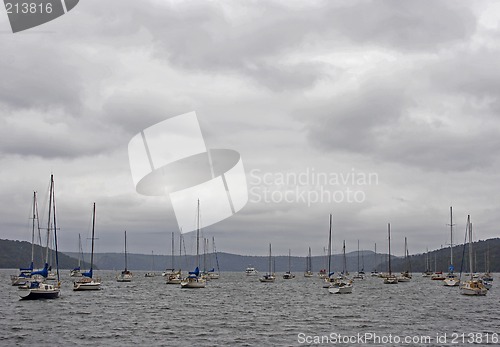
{"x": 231, "y": 262}
{"x": 440, "y": 259}
{"x": 15, "y": 254}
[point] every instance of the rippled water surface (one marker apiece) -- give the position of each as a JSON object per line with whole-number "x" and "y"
{"x": 237, "y": 310}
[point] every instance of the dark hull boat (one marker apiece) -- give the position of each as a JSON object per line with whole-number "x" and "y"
{"x": 37, "y": 291}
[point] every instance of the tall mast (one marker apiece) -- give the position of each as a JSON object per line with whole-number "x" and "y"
{"x": 125, "y": 250}
{"x": 289, "y": 264}
{"x": 79, "y": 250}
{"x": 92, "y": 254}
{"x": 389, "y": 232}
{"x": 330, "y": 247}
{"x": 215, "y": 251}
{"x": 33, "y": 232}
{"x": 49, "y": 219}
{"x": 198, "y": 237}
{"x": 358, "y": 255}
{"x": 270, "y": 271}
{"x": 173, "y": 267}
{"x": 469, "y": 224}
{"x": 344, "y": 265}
{"x": 451, "y": 239}
{"x": 55, "y": 225}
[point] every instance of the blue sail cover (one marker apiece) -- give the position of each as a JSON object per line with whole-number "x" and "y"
{"x": 87, "y": 274}
{"x": 76, "y": 269}
{"x": 330, "y": 274}
{"x": 194, "y": 273}
{"x": 213, "y": 270}
{"x": 43, "y": 272}
{"x": 27, "y": 269}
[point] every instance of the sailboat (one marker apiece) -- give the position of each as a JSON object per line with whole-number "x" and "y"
{"x": 34, "y": 290}
{"x": 361, "y": 273}
{"x": 87, "y": 281}
{"x": 328, "y": 278}
{"x": 374, "y": 272}
{"x": 309, "y": 272}
{"x": 194, "y": 279}
{"x": 125, "y": 275}
{"x": 269, "y": 276}
{"x": 212, "y": 274}
{"x": 152, "y": 272}
{"x": 487, "y": 277}
{"x": 451, "y": 279}
{"x": 390, "y": 278}
{"x": 174, "y": 277}
{"x": 289, "y": 275}
{"x": 406, "y": 275}
{"x": 322, "y": 272}
{"x": 341, "y": 284}
{"x": 427, "y": 272}
{"x": 76, "y": 272}
{"x": 473, "y": 286}
{"x": 25, "y": 273}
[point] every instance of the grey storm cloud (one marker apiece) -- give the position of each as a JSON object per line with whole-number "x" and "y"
{"x": 407, "y": 89}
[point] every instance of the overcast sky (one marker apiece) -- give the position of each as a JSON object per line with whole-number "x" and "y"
{"x": 405, "y": 93}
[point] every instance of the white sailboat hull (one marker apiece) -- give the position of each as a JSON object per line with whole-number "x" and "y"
{"x": 390, "y": 280}
{"x": 341, "y": 287}
{"x": 473, "y": 288}
{"x": 193, "y": 283}
{"x": 267, "y": 279}
{"x": 86, "y": 284}
{"x": 451, "y": 282}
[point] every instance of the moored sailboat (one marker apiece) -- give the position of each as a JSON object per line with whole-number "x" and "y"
{"x": 309, "y": 272}
{"x": 360, "y": 275}
{"x": 341, "y": 284}
{"x": 289, "y": 275}
{"x": 451, "y": 279}
{"x": 474, "y": 286}
{"x": 406, "y": 275}
{"x": 269, "y": 276}
{"x": 25, "y": 273}
{"x": 194, "y": 279}
{"x": 77, "y": 272}
{"x": 125, "y": 275}
{"x": 390, "y": 278}
{"x": 35, "y": 289}
{"x": 87, "y": 281}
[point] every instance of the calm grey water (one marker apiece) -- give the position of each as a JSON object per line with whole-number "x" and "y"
{"x": 237, "y": 310}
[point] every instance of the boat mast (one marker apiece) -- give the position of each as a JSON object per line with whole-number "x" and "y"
{"x": 92, "y": 254}
{"x": 173, "y": 266}
{"x": 330, "y": 247}
{"x": 216, "y": 257}
{"x": 125, "y": 250}
{"x": 55, "y": 225}
{"x": 198, "y": 236}
{"x": 358, "y": 256}
{"x": 79, "y": 250}
{"x": 49, "y": 219}
{"x": 33, "y": 232}
{"x": 289, "y": 254}
{"x": 344, "y": 263}
{"x": 389, "y": 232}
{"x": 470, "y": 246}
{"x": 270, "y": 259}
{"x": 451, "y": 239}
